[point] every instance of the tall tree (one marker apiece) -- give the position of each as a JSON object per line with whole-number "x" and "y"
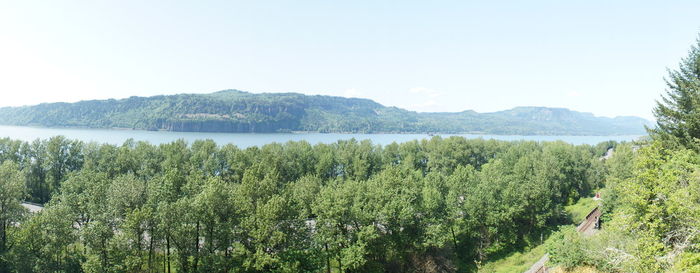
{"x": 12, "y": 191}
{"x": 46, "y": 242}
{"x": 678, "y": 112}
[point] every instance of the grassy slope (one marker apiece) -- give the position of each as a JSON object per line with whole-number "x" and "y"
{"x": 517, "y": 262}
{"x": 579, "y": 210}
{"x": 521, "y": 261}
{"x": 576, "y": 270}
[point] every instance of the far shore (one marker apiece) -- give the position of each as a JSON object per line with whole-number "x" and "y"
{"x": 475, "y": 133}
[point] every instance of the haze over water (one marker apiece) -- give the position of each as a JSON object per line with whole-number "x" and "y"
{"x": 244, "y": 140}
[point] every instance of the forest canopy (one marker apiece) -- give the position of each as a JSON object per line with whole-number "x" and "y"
{"x": 420, "y": 206}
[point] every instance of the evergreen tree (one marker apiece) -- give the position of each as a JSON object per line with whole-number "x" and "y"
{"x": 678, "y": 112}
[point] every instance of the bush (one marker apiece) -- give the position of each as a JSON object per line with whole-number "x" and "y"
{"x": 566, "y": 248}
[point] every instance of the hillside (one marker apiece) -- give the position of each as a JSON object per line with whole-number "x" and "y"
{"x": 238, "y": 111}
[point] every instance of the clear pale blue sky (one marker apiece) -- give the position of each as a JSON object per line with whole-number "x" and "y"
{"x": 604, "y": 57}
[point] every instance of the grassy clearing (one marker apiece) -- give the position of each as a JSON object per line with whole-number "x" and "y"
{"x": 579, "y": 210}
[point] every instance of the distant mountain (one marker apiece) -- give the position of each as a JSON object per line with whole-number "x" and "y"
{"x": 238, "y": 111}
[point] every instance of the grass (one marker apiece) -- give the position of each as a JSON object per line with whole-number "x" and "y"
{"x": 519, "y": 262}
{"x": 579, "y": 210}
{"x": 581, "y": 269}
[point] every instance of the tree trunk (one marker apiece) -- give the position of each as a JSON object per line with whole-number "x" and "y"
{"x": 340, "y": 264}
{"x": 454, "y": 239}
{"x": 328, "y": 259}
{"x": 104, "y": 253}
{"x": 211, "y": 238}
{"x": 196, "y": 249}
{"x": 150, "y": 250}
{"x": 167, "y": 251}
{"x": 3, "y": 241}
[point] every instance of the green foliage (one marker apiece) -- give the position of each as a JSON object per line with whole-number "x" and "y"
{"x": 12, "y": 191}
{"x": 517, "y": 262}
{"x": 432, "y": 205}
{"x": 47, "y": 242}
{"x": 237, "y": 111}
{"x": 580, "y": 210}
{"x": 678, "y": 121}
{"x": 655, "y": 215}
{"x": 661, "y": 204}
{"x": 687, "y": 262}
{"x": 566, "y": 248}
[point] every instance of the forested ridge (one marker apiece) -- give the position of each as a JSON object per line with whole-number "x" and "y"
{"x": 238, "y": 111}
{"x": 438, "y": 205}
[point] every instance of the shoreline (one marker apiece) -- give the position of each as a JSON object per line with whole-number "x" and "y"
{"x": 475, "y": 133}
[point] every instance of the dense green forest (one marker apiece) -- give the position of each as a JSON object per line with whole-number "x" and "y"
{"x": 237, "y": 111}
{"x": 438, "y": 205}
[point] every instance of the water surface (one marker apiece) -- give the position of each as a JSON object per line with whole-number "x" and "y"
{"x": 244, "y": 140}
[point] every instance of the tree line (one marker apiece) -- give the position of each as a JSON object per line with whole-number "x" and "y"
{"x": 438, "y": 205}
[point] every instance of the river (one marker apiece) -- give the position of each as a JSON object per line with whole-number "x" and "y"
{"x": 244, "y": 140}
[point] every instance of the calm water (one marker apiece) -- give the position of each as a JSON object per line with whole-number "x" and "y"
{"x": 247, "y": 140}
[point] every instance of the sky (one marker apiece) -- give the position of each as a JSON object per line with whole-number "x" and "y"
{"x": 604, "y": 57}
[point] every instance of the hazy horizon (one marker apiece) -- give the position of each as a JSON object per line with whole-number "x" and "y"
{"x": 604, "y": 58}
